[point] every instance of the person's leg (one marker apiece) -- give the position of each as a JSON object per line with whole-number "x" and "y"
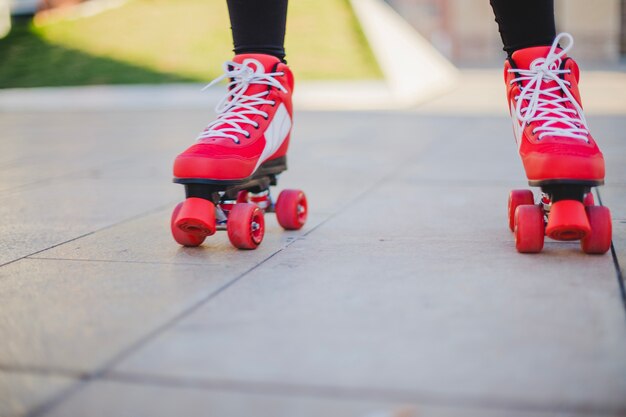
{"x": 228, "y": 171}
{"x": 557, "y": 150}
{"x": 258, "y": 26}
{"x": 525, "y": 23}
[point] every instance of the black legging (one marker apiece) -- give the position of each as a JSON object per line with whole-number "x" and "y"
{"x": 259, "y": 25}
{"x": 524, "y": 23}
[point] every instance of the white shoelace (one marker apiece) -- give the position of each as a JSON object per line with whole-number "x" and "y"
{"x": 236, "y": 107}
{"x": 548, "y": 105}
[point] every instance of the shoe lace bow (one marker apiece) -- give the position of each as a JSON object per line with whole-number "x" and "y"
{"x": 548, "y": 105}
{"x": 236, "y": 107}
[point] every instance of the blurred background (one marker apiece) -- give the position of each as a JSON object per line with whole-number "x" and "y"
{"x": 74, "y": 42}
{"x": 465, "y": 30}
{"x": 160, "y": 41}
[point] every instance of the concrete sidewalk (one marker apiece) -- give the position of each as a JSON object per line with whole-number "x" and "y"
{"x": 403, "y": 296}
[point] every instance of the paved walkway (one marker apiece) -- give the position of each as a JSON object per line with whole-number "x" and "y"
{"x": 403, "y": 296}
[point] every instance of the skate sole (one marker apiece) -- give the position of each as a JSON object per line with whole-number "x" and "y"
{"x": 558, "y": 182}
{"x": 273, "y": 167}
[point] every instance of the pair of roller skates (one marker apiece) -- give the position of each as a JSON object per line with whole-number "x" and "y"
{"x": 228, "y": 173}
{"x": 558, "y": 153}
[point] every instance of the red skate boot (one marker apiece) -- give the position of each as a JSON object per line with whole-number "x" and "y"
{"x": 557, "y": 150}
{"x": 228, "y": 172}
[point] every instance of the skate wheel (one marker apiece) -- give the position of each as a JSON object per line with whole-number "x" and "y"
{"x": 598, "y": 241}
{"x": 567, "y": 221}
{"x": 192, "y": 221}
{"x": 291, "y": 209}
{"x": 529, "y": 229}
{"x": 518, "y": 198}
{"x": 589, "y": 200}
{"x": 246, "y": 226}
{"x": 242, "y": 196}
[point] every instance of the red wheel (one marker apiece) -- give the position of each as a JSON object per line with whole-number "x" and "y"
{"x": 529, "y": 229}
{"x": 291, "y": 209}
{"x": 246, "y": 226}
{"x": 598, "y": 241}
{"x": 242, "y": 196}
{"x": 518, "y": 198}
{"x": 194, "y": 224}
{"x": 589, "y": 200}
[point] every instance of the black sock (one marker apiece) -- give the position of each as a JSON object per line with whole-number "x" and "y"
{"x": 258, "y": 26}
{"x": 524, "y": 23}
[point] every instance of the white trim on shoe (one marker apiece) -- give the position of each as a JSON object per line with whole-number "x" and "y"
{"x": 276, "y": 133}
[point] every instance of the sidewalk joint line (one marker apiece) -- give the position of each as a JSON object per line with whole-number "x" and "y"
{"x": 616, "y": 264}
{"x": 290, "y": 390}
{"x": 35, "y": 258}
{"x": 42, "y": 371}
{"x": 129, "y": 219}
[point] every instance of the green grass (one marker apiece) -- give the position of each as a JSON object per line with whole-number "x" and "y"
{"x": 159, "y": 41}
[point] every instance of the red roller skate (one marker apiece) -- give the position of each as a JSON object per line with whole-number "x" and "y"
{"x": 228, "y": 173}
{"x": 557, "y": 150}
